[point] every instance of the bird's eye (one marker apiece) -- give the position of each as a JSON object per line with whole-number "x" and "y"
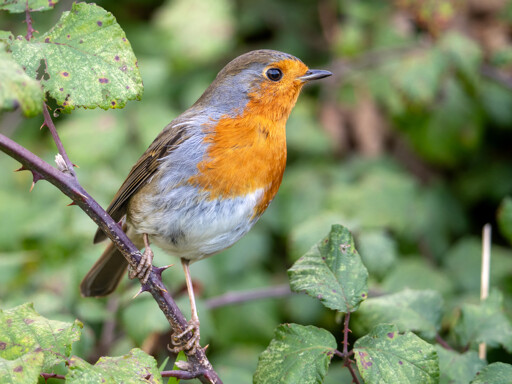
{"x": 274, "y": 74}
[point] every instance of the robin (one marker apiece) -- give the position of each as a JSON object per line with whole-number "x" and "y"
{"x": 209, "y": 175}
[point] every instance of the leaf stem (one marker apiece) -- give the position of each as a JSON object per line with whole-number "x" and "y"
{"x": 51, "y": 127}
{"x": 28, "y": 20}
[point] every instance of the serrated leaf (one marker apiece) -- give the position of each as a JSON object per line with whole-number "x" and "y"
{"x": 17, "y": 89}
{"x": 458, "y": 368}
{"x": 332, "y": 271}
{"x": 23, "y": 330}
{"x": 495, "y": 373}
{"x": 505, "y": 218}
{"x": 132, "y": 368}
{"x": 386, "y": 356}
{"x": 410, "y": 310}
{"x": 85, "y": 60}
{"x": 485, "y": 323}
{"x": 19, "y": 6}
{"x": 296, "y": 354}
{"x": 24, "y": 369}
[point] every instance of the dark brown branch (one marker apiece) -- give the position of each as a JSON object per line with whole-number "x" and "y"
{"x": 71, "y": 188}
{"x": 241, "y": 297}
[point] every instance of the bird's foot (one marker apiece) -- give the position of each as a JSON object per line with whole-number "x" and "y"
{"x": 181, "y": 342}
{"x": 145, "y": 264}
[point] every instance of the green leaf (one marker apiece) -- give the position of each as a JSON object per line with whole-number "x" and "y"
{"x": 495, "y": 373}
{"x": 188, "y": 38}
{"x": 418, "y": 75}
{"x": 485, "y": 323}
{"x": 17, "y": 89}
{"x": 385, "y": 356}
{"x": 505, "y": 218}
{"x": 332, "y": 271}
{"x": 23, "y": 331}
{"x": 24, "y": 369}
{"x": 5, "y": 35}
{"x": 132, "y": 368}
{"x": 414, "y": 273}
{"x": 85, "y": 60}
{"x": 410, "y": 310}
{"x": 463, "y": 52}
{"x": 296, "y": 354}
{"x": 378, "y": 251}
{"x": 19, "y": 6}
{"x": 181, "y": 357}
{"x": 458, "y": 368}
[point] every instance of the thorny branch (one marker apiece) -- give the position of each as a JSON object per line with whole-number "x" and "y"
{"x": 67, "y": 182}
{"x": 346, "y": 354}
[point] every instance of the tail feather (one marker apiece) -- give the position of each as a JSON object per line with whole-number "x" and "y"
{"x": 105, "y": 274}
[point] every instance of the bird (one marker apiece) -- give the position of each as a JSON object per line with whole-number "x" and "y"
{"x": 209, "y": 175}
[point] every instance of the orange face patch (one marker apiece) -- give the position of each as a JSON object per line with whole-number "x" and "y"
{"x": 248, "y": 152}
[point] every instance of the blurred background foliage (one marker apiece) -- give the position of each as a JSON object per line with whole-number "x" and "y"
{"x": 409, "y": 145}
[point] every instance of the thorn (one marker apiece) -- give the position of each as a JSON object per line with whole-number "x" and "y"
{"x": 43, "y": 125}
{"x": 206, "y": 347}
{"x": 70, "y": 204}
{"x": 22, "y": 168}
{"x": 35, "y": 178}
{"x": 143, "y": 288}
{"x": 160, "y": 270}
{"x": 74, "y": 165}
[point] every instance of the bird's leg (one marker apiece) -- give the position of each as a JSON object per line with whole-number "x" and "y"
{"x": 146, "y": 262}
{"x": 190, "y": 345}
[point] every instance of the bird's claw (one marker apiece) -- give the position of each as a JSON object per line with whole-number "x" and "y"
{"x": 189, "y": 346}
{"x": 143, "y": 268}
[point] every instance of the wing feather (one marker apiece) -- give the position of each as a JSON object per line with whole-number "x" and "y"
{"x": 144, "y": 169}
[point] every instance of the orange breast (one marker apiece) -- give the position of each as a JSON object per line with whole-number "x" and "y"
{"x": 245, "y": 154}
{"x": 248, "y": 152}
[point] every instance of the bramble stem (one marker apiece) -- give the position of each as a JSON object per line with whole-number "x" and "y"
{"x": 70, "y": 186}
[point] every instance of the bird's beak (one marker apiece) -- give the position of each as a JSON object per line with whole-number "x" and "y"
{"x": 314, "y": 74}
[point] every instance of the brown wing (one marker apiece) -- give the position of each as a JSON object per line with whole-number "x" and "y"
{"x": 142, "y": 171}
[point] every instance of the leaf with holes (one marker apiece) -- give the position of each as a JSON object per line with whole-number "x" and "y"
{"x": 296, "y": 354}
{"x": 85, "y": 60}
{"x": 385, "y": 356}
{"x": 17, "y": 90}
{"x": 23, "y": 331}
{"x": 410, "y": 310}
{"x": 332, "y": 271}
{"x": 132, "y": 368}
{"x": 20, "y": 6}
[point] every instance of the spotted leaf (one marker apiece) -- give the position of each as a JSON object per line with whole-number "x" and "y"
{"x": 385, "y": 356}
{"x": 85, "y": 60}
{"x": 332, "y": 271}
{"x": 296, "y": 354}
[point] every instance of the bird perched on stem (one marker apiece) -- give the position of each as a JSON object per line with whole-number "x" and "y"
{"x": 209, "y": 175}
